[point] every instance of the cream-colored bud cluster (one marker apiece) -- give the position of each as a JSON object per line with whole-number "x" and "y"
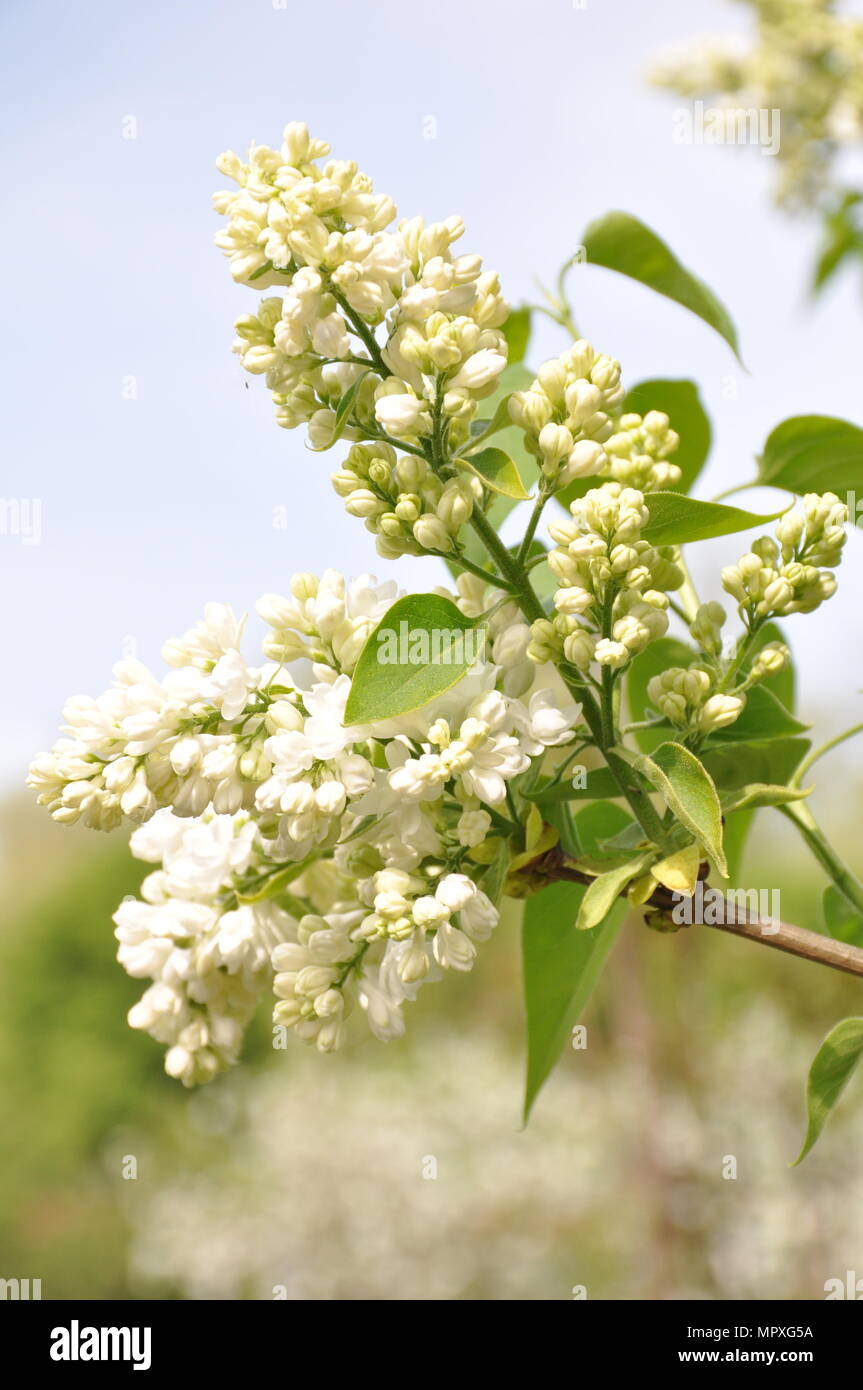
{"x": 445, "y": 349}
{"x": 639, "y": 450}
{"x": 406, "y": 506}
{"x": 793, "y": 573}
{"x": 688, "y": 698}
{"x": 565, "y": 413}
{"x": 612, "y": 598}
{"x": 287, "y": 210}
{"x": 694, "y": 698}
{"x": 319, "y": 233}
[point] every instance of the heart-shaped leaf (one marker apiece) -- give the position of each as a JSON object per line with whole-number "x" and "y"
{"x": 815, "y": 453}
{"x": 621, "y": 242}
{"x": 421, "y": 647}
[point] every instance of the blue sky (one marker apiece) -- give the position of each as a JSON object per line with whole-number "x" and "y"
{"x": 153, "y": 505}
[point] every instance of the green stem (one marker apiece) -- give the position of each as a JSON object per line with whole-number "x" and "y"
{"x": 738, "y": 487}
{"x": 688, "y": 597}
{"x": 478, "y": 570}
{"x": 744, "y": 648}
{"x": 361, "y": 329}
{"x": 812, "y": 758}
{"x": 532, "y": 524}
{"x": 846, "y": 881}
{"x": 511, "y": 570}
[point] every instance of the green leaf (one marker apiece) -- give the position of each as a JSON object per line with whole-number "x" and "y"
{"x": 600, "y": 785}
{"x": 676, "y": 519}
{"x": 596, "y": 824}
{"x": 621, "y": 242}
{"x": 815, "y": 453}
{"x": 680, "y": 401}
{"x": 604, "y": 891}
{"x": 417, "y": 651}
{"x": 831, "y": 1070}
{"x": 497, "y": 470}
{"x": 494, "y": 877}
{"x": 762, "y": 717}
{"x": 343, "y": 410}
{"x": 734, "y": 837}
{"x": 773, "y": 761}
{"x": 688, "y": 790}
{"x": 516, "y": 330}
{"x": 561, "y": 968}
{"x": 843, "y": 237}
{"x": 842, "y": 919}
{"x": 345, "y": 405}
{"x": 759, "y": 794}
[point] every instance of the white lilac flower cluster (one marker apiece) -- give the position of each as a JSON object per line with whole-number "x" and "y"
{"x": 806, "y": 63}
{"x": 321, "y": 234}
{"x": 342, "y": 858}
{"x": 345, "y": 863}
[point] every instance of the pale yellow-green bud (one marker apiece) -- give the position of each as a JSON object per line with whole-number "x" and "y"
{"x": 706, "y": 627}
{"x": 281, "y": 716}
{"x": 409, "y": 507}
{"x": 380, "y": 473}
{"x": 456, "y": 504}
{"x": 578, "y": 648}
{"x": 411, "y": 472}
{"x": 254, "y": 764}
{"x": 344, "y": 482}
{"x": 766, "y": 549}
{"x": 789, "y": 532}
{"x": 585, "y": 460}
{"x": 363, "y": 503}
{"x": 431, "y": 534}
{"x": 718, "y": 711}
{"x": 771, "y": 659}
{"x": 573, "y": 600}
{"x": 611, "y": 653}
{"x": 545, "y": 643}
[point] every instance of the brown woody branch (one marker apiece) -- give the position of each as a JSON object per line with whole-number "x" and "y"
{"x": 554, "y": 867}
